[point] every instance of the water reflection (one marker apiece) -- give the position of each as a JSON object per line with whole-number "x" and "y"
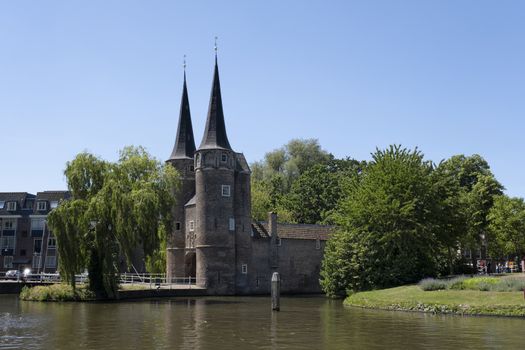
{"x": 241, "y": 323}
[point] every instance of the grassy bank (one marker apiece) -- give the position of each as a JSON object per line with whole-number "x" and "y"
{"x": 463, "y": 302}
{"x": 56, "y": 292}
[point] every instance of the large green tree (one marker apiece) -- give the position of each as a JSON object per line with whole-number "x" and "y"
{"x": 507, "y": 226}
{"x": 272, "y": 178}
{"x": 387, "y": 220}
{"x": 315, "y": 194}
{"x": 116, "y": 208}
{"x": 467, "y": 189}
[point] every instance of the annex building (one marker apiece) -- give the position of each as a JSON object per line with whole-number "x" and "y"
{"x": 214, "y": 238}
{"x": 25, "y": 238}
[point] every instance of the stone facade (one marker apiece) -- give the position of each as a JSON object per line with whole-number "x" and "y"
{"x": 214, "y": 238}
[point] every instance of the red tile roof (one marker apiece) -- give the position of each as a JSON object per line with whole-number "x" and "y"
{"x": 295, "y": 231}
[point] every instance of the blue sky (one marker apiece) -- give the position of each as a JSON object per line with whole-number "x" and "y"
{"x": 446, "y": 76}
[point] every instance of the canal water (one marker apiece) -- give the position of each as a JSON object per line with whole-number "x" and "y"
{"x": 240, "y": 323}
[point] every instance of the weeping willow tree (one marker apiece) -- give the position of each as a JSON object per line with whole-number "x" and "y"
{"x": 116, "y": 208}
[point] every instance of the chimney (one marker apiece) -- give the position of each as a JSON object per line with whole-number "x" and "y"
{"x": 272, "y": 225}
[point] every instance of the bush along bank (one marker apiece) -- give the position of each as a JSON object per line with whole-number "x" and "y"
{"x": 462, "y": 296}
{"x": 56, "y": 292}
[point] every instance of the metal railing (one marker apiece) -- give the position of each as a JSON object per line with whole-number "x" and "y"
{"x": 142, "y": 280}
{"x": 159, "y": 281}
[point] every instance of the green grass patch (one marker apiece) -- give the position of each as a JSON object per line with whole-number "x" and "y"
{"x": 463, "y": 302}
{"x": 56, "y": 292}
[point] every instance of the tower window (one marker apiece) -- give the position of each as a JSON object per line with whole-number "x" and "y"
{"x": 226, "y": 190}
{"x": 192, "y": 168}
{"x": 244, "y": 268}
{"x": 224, "y": 158}
{"x": 232, "y": 224}
{"x": 198, "y": 160}
{"x": 192, "y": 226}
{"x": 177, "y": 226}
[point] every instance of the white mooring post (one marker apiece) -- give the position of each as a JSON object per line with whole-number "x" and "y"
{"x": 276, "y": 291}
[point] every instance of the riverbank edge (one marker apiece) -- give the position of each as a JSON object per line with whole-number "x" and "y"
{"x": 407, "y": 303}
{"x": 64, "y": 293}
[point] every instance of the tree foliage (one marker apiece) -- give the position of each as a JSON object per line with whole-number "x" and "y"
{"x": 117, "y": 209}
{"x": 386, "y": 234}
{"x": 507, "y": 226}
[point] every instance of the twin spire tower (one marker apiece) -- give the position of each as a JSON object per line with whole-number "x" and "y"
{"x": 215, "y": 132}
{"x": 212, "y": 214}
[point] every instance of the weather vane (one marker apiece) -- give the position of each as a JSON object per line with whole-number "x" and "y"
{"x": 216, "y": 45}
{"x": 184, "y": 63}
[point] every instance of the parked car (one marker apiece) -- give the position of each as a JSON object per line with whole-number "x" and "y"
{"x": 13, "y": 275}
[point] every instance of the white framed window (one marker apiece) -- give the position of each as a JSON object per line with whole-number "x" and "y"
{"x": 51, "y": 242}
{"x": 38, "y": 223}
{"x": 225, "y": 189}
{"x": 41, "y": 205}
{"x": 192, "y": 226}
{"x": 37, "y": 261}
{"x": 2, "y": 203}
{"x": 231, "y": 224}
{"x": 11, "y": 206}
{"x": 8, "y": 262}
{"x": 9, "y": 224}
{"x": 244, "y": 268}
{"x": 53, "y": 204}
{"x": 51, "y": 261}
{"x": 7, "y": 242}
{"x": 317, "y": 244}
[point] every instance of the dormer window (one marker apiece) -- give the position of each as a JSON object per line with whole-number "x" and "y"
{"x": 41, "y": 205}
{"x": 225, "y": 190}
{"x": 2, "y": 203}
{"x": 224, "y": 157}
{"x": 11, "y": 206}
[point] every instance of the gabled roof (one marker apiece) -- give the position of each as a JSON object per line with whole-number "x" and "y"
{"x": 184, "y": 147}
{"x": 20, "y": 198}
{"x": 215, "y": 131}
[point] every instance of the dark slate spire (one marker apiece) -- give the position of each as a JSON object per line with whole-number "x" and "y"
{"x": 215, "y": 132}
{"x": 184, "y": 144}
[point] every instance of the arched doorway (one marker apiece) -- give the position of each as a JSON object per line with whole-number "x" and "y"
{"x": 190, "y": 264}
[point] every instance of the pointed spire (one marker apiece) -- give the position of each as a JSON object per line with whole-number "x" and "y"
{"x": 215, "y": 131}
{"x": 184, "y": 144}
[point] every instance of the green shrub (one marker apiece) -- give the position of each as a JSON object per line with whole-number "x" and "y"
{"x": 432, "y": 284}
{"x": 55, "y": 292}
{"x": 475, "y": 283}
{"x": 510, "y": 285}
{"x": 457, "y": 282}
